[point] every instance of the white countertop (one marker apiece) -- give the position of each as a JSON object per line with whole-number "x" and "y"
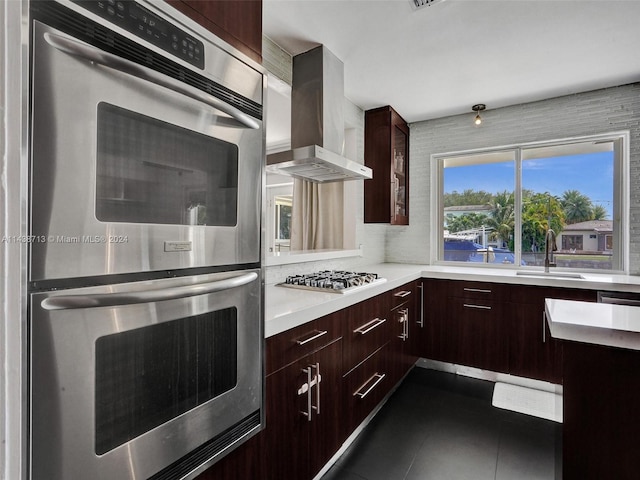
{"x": 596, "y": 323}
{"x": 286, "y": 308}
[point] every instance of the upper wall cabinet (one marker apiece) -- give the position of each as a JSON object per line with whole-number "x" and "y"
{"x": 386, "y": 151}
{"x": 237, "y": 23}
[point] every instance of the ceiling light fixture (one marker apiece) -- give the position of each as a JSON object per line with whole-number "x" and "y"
{"x": 478, "y": 108}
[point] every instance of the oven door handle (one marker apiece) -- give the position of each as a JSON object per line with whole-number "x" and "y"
{"x": 66, "y": 302}
{"x": 81, "y": 49}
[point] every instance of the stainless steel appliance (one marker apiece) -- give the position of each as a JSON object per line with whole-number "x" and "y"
{"x": 147, "y": 144}
{"x": 145, "y": 281}
{"x": 334, "y": 281}
{"x": 155, "y": 379}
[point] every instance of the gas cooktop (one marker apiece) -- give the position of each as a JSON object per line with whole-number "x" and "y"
{"x": 334, "y": 281}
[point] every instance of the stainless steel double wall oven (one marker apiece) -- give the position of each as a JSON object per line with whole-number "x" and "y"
{"x": 145, "y": 280}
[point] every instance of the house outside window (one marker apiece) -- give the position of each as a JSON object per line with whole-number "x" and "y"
{"x": 494, "y": 206}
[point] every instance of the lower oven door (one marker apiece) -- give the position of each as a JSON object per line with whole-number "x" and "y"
{"x": 144, "y": 380}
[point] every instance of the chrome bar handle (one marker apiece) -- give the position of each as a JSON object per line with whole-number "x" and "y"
{"x": 379, "y": 377}
{"x": 367, "y": 327}
{"x": 544, "y": 327}
{"x": 318, "y": 379}
{"x": 479, "y": 290}
{"x": 65, "y": 302}
{"x": 402, "y": 294}
{"x": 78, "y": 48}
{"x": 404, "y": 320}
{"x": 306, "y": 388}
{"x": 479, "y": 307}
{"x": 421, "y": 322}
{"x": 313, "y": 337}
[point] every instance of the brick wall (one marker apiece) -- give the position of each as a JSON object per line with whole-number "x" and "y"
{"x": 600, "y": 111}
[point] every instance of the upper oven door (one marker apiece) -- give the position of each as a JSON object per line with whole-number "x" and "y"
{"x": 127, "y": 379}
{"x": 134, "y": 171}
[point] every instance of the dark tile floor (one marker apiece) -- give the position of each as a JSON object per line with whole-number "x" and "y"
{"x": 442, "y": 426}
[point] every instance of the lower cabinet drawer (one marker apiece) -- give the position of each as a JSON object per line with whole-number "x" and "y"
{"x": 365, "y": 387}
{"x": 369, "y": 328}
{"x": 289, "y": 346}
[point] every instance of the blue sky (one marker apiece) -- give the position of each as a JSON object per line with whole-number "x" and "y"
{"x": 591, "y": 174}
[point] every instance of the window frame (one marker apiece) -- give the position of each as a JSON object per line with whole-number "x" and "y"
{"x": 621, "y": 197}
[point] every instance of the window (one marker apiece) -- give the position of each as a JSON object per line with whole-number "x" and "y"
{"x": 495, "y": 206}
{"x": 278, "y": 217}
{"x": 572, "y": 242}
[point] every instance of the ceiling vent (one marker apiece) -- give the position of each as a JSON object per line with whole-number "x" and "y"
{"x": 420, "y": 4}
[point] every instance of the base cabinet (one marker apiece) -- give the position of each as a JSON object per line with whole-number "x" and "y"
{"x": 600, "y": 430}
{"x": 364, "y": 388}
{"x": 492, "y": 326}
{"x": 533, "y": 353}
{"x": 302, "y": 428}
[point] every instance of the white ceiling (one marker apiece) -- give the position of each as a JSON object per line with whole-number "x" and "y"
{"x": 442, "y": 59}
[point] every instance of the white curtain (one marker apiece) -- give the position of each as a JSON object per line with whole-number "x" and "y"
{"x": 317, "y": 215}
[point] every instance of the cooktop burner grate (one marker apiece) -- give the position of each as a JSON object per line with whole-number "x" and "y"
{"x": 336, "y": 281}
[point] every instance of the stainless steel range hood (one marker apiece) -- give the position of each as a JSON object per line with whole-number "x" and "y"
{"x": 317, "y": 123}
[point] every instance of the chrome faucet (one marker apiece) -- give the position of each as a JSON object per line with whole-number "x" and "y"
{"x": 549, "y": 247}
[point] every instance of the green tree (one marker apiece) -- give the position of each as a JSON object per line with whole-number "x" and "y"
{"x": 466, "y": 221}
{"x": 599, "y": 212}
{"x": 536, "y": 211}
{"x": 577, "y": 207}
{"x": 501, "y": 217}
{"x": 467, "y": 197}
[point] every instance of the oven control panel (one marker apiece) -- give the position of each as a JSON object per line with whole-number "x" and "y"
{"x": 145, "y": 24}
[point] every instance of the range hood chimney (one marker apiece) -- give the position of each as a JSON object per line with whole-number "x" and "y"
{"x": 317, "y": 123}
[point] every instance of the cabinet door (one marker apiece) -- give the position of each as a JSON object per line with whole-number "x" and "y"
{"x": 482, "y": 340}
{"x": 533, "y": 353}
{"x": 436, "y": 337}
{"x": 399, "y": 171}
{"x": 386, "y": 148}
{"x": 302, "y": 428}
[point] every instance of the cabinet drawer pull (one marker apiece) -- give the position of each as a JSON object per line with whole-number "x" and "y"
{"x": 481, "y": 307}
{"x": 402, "y": 294}
{"x": 378, "y": 378}
{"x": 367, "y": 327}
{"x": 421, "y": 321}
{"x": 479, "y": 290}
{"x": 316, "y": 335}
{"x": 306, "y": 388}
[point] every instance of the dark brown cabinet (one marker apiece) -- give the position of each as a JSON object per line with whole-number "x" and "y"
{"x": 533, "y": 353}
{"x": 601, "y": 394}
{"x": 368, "y": 327}
{"x": 386, "y": 151}
{"x": 239, "y": 23}
{"x": 492, "y": 326}
{"x": 364, "y": 387}
{"x": 302, "y": 428}
{"x": 404, "y": 314}
{"x": 476, "y": 317}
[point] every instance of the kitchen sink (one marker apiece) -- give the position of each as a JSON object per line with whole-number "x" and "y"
{"x": 551, "y": 275}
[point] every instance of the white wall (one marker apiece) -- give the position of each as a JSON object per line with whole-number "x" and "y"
{"x": 600, "y": 111}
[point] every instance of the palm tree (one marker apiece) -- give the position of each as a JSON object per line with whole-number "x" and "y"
{"x": 599, "y": 212}
{"x": 501, "y": 217}
{"x": 577, "y": 207}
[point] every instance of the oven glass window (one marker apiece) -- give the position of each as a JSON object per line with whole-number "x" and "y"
{"x": 148, "y": 376}
{"x": 149, "y": 171}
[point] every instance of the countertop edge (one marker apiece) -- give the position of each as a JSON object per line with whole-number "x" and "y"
{"x": 289, "y": 308}
{"x": 596, "y": 324}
